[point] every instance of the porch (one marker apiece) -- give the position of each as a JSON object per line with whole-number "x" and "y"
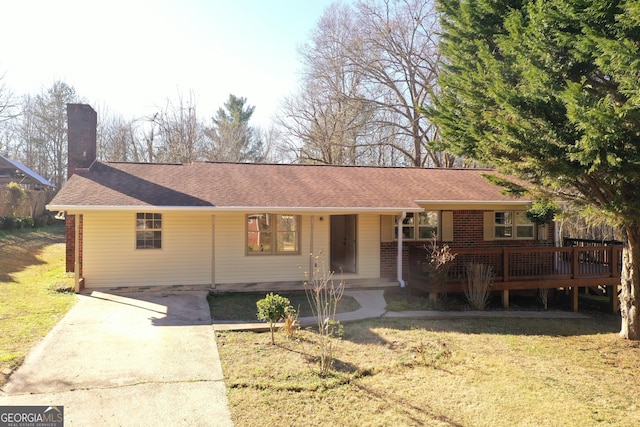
{"x": 567, "y": 268}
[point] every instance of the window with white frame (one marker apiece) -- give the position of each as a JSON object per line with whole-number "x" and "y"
{"x": 148, "y": 230}
{"x": 512, "y": 225}
{"x": 418, "y": 226}
{"x": 269, "y": 234}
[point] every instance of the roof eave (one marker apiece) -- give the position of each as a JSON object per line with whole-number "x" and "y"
{"x": 476, "y": 202}
{"x": 288, "y": 209}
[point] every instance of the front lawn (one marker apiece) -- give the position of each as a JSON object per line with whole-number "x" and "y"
{"x": 242, "y": 306}
{"x": 32, "y": 264}
{"x": 463, "y": 372}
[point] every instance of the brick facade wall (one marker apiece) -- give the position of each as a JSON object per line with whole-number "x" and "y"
{"x": 468, "y": 233}
{"x": 81, "y": 134}
{"x": 70, "y": 238}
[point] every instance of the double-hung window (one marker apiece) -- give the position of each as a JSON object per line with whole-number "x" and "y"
{"x": 512, "y": 225}
{"x": 417, "y": 226}
{"x": 148, "y": 230}
{"x": 273, "y": 234}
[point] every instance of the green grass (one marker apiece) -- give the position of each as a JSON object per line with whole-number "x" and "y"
{"x": 31, "y": 269}
{"x": 463, "y": 372}
{"x": 242, "y": 306}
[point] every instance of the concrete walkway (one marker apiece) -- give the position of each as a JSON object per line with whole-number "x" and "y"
{"x": 373, "y": 304}
{"x": 142, "y": 359}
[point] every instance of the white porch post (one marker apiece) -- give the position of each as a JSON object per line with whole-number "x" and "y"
{"x": 399, "y": 261}
{"x": 311, "y": 254}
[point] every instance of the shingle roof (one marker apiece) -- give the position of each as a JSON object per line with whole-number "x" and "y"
{"x": 13, "y": 170}
{"x": 240, "y": 185}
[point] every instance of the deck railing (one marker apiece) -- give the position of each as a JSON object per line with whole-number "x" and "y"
{"x": 570, "y": 242}
{"x": 529, "y": 268}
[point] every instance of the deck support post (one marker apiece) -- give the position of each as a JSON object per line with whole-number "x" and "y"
{"x": 614, "y": 301}
{"x": 505, "y": 298}
{"x": 574, "y": 299}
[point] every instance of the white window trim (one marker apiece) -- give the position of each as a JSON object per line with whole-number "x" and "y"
{"x": 416, "y": 228}
{"x": 274, "y": 233}
{"x": 514, "y": 225}
{"x": 135, "y": 243}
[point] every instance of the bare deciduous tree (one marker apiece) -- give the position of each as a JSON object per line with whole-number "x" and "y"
{"x": 368, "y": 71}
{"x": 119, "y": 139}
{"x": 39, "y": 133}
{"x": 179, "y": 131}
{"x": 325, "y": 122}
{"x": 8, "y": 105}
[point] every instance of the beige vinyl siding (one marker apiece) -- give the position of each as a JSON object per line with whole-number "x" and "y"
{"x": 111, "y": 259}
{"x": 386, "y": 228}
{"x": 368, "y": 251}
{"x": 489, "y": 226}
{"x": 446, "y": 226}
{"x": 233, "y": 265}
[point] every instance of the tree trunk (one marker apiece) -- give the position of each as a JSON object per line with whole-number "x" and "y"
{"x": 630, "y": 280}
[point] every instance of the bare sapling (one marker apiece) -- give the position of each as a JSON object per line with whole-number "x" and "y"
{"x": 437, "y": 266}
{"x": 324, "y": 295}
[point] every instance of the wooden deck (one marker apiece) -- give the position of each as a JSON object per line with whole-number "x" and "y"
{"x": 569, "y": 268}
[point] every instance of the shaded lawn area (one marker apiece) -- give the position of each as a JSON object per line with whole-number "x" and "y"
{"x": 242, "y": 306}
{"x": 32, "y": 263}
{"x": 462, "y": 372}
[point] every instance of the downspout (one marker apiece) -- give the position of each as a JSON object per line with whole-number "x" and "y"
{"x": 311, "y": 255}
{"x": 76, "y": 255}
{"x": 399, "y": 267}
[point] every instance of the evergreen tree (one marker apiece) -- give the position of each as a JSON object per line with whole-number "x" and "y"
{"x": 548, "y": 90}
{"x": 233, "y": 140}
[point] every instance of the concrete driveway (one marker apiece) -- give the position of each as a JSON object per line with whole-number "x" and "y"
{"x": 128, "y": 360}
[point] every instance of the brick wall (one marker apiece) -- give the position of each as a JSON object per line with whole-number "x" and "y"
{"x": 70, "y": 239}
{"x": 468, "y": 232}
{"x": 70, "y": 227}
{"x": 82, "y": 123}
{"x": 81, "y": 135}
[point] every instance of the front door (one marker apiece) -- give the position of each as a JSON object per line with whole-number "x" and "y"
{"x": 343, "y": 243}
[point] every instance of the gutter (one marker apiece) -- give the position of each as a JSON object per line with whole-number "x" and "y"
{"x": 233, "y": 209}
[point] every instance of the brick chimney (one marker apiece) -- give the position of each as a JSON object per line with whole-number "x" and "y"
{"x": 82, "y": 123}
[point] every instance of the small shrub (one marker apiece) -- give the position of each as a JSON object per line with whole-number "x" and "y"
{"x": 478, "y": 280}
{"x": 8, "y": 222}
{"x": 272, "y": 308}
{"x": 291, "y": 324}
{"x": 27, "y": 222}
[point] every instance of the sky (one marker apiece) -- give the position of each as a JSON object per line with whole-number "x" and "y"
{"x": 129, "y": 57}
